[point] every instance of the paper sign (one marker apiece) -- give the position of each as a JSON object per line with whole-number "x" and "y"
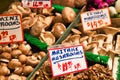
{"x": 95, "y": 19}
{"x": 37, "y": 3}
{"x": 10, "y": 28}
{"x": 67, "y": 59}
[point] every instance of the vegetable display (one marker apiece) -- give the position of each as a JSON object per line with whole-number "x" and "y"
{"x": 113, "y": 6}
{"x": 60, "y": 24}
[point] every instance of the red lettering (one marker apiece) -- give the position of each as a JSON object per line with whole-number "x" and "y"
{"x": 35, "y": 4}
{"x": 59, "y": 66}
{"x": 88, "y": 24}
{"x": 100, "y": 22}
{"x": 40, "y": 3}
{"x": 4, "y": 34}
{"x": 70, "y": 64}
{"x": 95, "y": 23}
{"x": 0, "y": 37}
{"x": 64, "y": 66}
{"x": 12, "y": 37}
{"x": 45, "y": 5}
{"x": 77, "y": 66}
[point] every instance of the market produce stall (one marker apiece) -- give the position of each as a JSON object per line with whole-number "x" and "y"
{"x": 31, "y": 35}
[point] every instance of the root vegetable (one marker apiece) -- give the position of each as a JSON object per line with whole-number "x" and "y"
{"x": 97, "y": 2}
{"x": 117, "y": 6}
{"x": 103, "y": 5}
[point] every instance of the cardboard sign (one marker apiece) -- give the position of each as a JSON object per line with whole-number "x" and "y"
{"x": 37, "y": 3}
{"x": 95, "y": 19}
{"x": 10, "y": 28}
{"x": 67, "y": 60}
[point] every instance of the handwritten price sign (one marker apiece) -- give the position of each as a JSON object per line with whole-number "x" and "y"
{"x": 37, "y": 3}
{"x": 10, "y": 28}
{"x": 67, "y": 59}
{"x": 95, "y": 19}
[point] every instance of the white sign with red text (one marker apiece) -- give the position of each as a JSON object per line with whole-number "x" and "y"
{"x": 10, "y": 28}
{"x": 67, "y": 60}
{"x": 37, "y": 3}
{"x": 95, "y": 19}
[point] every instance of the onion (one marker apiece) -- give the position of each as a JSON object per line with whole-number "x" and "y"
{"x": 91, "y": 8}
{"x": 96, "y": 2}
{"x": 110, "y": 2}
{"x": 103, "y": 5}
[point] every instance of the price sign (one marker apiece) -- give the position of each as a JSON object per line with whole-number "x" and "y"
{"x": 67, "y": 59}
{"x": 37, "y": 3}
{"x": 10, "y": 28}
{"x": 95, "y": 19}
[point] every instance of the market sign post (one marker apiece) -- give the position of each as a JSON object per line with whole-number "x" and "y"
{"x": 95, "y": 19}
{"x": 67, "y": 60}
{"x": 37, "y": 3}
{"x": 10, "y": 28}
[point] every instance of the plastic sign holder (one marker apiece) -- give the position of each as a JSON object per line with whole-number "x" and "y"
{"x": 10, "y": 28}
{"x": 95, "y": 19}
{"x": 67, "y": 59}
{"x": 37, "y": 3}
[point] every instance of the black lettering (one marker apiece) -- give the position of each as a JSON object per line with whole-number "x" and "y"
{"x": 1, "y": 24}
{"x": 16, "y": 18}
{"x": 1, "y": 19}
{"x": 10, "y": 23}
{"x": 6, "y": 23}
{"x": 5, "y": 18}
{"x": 11, "y": 17}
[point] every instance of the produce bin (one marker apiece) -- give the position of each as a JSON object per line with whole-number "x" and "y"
{"x": 101, "y": 63}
